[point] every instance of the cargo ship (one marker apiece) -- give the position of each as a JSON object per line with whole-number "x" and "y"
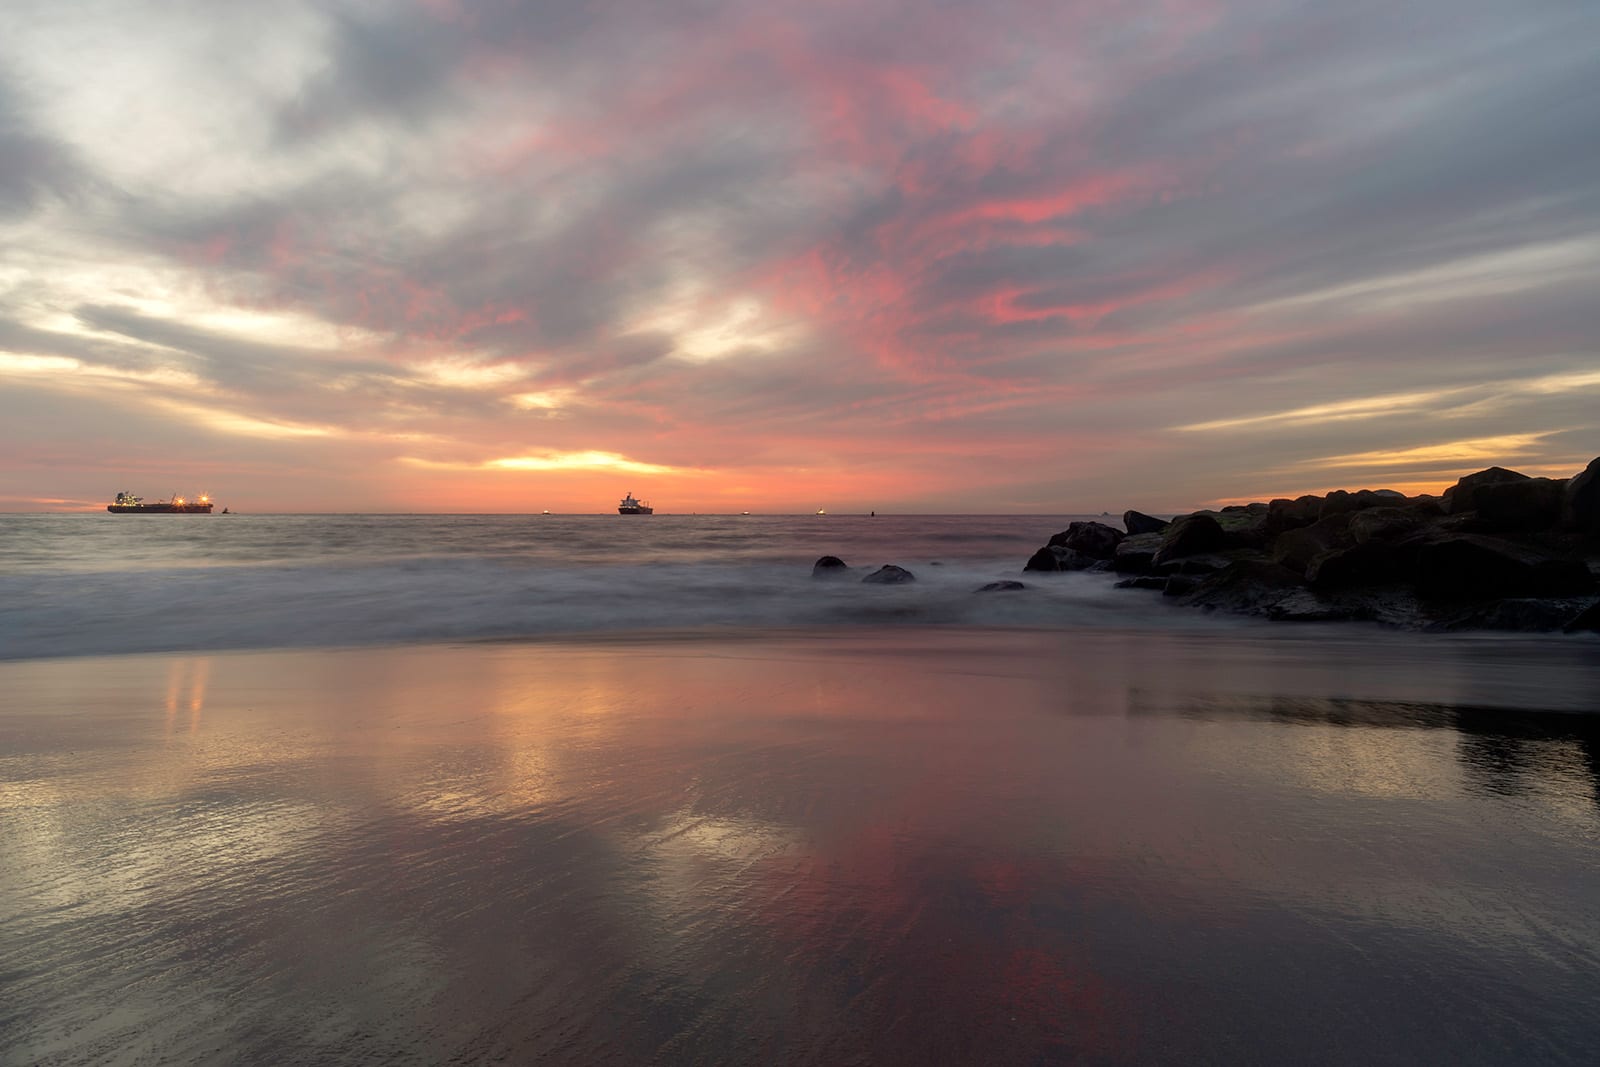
{"x": 128, "y": 504}
{"x": 630, "y": 506}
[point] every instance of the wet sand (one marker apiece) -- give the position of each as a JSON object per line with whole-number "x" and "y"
{"x": 891, "y": 847}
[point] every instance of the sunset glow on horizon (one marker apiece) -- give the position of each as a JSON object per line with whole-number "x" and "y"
{"x": 452, "y": 256}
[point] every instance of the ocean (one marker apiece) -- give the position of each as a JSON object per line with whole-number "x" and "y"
{"x": 106, "y": 584}
{"x": 361, "y": 790}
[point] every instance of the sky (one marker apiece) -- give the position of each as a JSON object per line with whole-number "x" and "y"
{"x": 1033, "y": 256}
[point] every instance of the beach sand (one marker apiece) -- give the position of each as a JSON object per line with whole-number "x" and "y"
{"x": 896, "y": 846}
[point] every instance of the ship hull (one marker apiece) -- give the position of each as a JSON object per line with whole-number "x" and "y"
{"x": 640, "y": 510}
{"x": 159, "y": 509}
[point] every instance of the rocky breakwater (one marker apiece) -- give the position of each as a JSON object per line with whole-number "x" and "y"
{"x": 1498, "y": 550}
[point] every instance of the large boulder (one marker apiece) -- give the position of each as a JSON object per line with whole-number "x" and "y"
{"x": 1297, "y": 548}
{"x": 1580, "y": 506}
{"x": 1425, "y": 505}
{"x": 1248, "y": 586}
{"x": 1059, "y": 558}
{"x": 829, "y": 567}
{"x": 1368, "y": 563}
{"x": 1474, "y": 567}
{"x": 889, "y": 574}
{"x": 1527, "y": 504}
{"x": 1191, "y": 535}
{"x": 1463, "y": 496}
{"x": 1137, "y": 522}
{"x": 1246, "y": 526}
{"x": 1093, "y": 539}
{"x": 1285, "y": 514}
{"x": 1384, "y": 524}
{"x": 1137, "y": 552}
{"x": 1374, "y": 498}
{"x": 1336, "y": 503}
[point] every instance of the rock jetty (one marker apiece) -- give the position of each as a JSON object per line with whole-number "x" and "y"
{"x": 1499, "y": 550}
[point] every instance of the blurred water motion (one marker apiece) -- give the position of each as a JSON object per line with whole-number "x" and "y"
{"x": 916, "y": 847}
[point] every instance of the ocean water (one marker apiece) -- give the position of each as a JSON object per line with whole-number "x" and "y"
{"x": 108, "y": 584}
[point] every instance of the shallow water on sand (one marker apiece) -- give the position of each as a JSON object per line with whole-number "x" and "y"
{"x": 881, "y": 847}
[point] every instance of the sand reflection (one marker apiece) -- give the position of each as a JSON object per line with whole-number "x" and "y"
{"x": 892, "y": 848}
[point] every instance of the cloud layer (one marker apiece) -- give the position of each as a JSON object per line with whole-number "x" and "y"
{"x": 920, "y": 256}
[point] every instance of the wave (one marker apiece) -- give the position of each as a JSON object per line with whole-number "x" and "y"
{"x": 434, "y": 599}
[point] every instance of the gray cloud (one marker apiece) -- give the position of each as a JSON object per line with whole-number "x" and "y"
{"x": 391, "y": 68}
{"x": 33, "y": 166}
{"x": 1127, "y": 212}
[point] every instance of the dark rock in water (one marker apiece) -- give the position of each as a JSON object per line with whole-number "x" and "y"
{"x": 1250, "y": 587}
{"x": 1580, "y": 506}
{"x": 1249, "y": 526}
{"x": 1340, "y": 501}
{"x": 1210, "y": 563}
{"x": 1285, "y": 514}
{"x": 1297, "y": 548}
{"x": 1059, "y": 558}
{"x": 1179, "y": 585}
{"x": 1369, "y": 563}
{"x": 1336, "y": 503}
{"x": 1303, "y": 605}
{"x": 1499, "y": 551}
{"x": 1000, "y": 587}
{"x": 1529, "y": 504}
{"x": 1190, "y": 536}
{"x": 1523, "y": 615}
{"x": 1370, "y": 498}
{"x": 1137, "y": 553}
{"x": 889, "y": 574}
{"x": 1042, "y": 560}
{"x": 1093, "y": 539}
{"x": 1472, "y": 567}
{"x": 1137, "y": 522}
{"x": 1425, "y": 505}
{"x": 1586, "y": 621}
{"x": 1463, "y": 496}
{"x": 1383, "y": 524}
{"x": 829, "y": 567}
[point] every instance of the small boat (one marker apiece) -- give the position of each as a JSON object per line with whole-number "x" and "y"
{"x": 547, "y": 511}
{"x": 632, "y": 506}
{"x": 822, "y": 511}
{"x": 128, "y": 504}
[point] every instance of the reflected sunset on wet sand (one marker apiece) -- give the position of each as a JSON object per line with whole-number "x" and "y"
{"x": 897, "y": 847}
